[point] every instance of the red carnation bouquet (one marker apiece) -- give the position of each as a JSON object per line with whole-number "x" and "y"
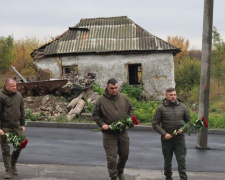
{"x": 197, "y": 125}
{"x": 135, "y": 120}
{"x": 18, "y": 142}
{"x": 120, "y": 126}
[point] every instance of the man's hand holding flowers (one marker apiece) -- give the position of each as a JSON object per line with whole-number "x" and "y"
{"x": 168, "y": 136}
{"x": 18, "y": 142}
{"x": 121, "y": 125}
{"x": 176, "y": 132}
{"x": 105, "y": 127}
{"x": 198, "y": 125}
{"x": 1, "y": 132}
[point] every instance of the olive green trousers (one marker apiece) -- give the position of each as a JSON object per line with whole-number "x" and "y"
{"x": 178, "y": 147}
{"x": 117, "y": 151}
{"x": 8, "y": 159}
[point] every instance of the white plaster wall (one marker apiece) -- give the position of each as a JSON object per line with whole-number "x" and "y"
{"x": 157, "y": 69}
{"x": 50, "y": 64}
{"x": 105, "y": 67}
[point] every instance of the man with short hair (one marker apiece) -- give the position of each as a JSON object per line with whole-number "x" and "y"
{"x": 172, "y": 115}
{"x": 12, "y": 119}
{"x": 111, "y": 107}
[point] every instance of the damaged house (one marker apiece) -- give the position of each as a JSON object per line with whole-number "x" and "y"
{"x": 114, "y": 47}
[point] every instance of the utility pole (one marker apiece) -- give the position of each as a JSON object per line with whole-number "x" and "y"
{"x": 205, "y": 71}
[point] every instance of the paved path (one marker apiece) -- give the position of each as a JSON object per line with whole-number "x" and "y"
{"x": 64, "y": 153}
{"x": 65, "y": 172}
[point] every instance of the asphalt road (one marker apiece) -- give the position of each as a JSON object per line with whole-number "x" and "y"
{"x": 82, "y": 147}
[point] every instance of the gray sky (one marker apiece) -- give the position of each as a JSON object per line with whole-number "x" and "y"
{"x": 45, "y": 18}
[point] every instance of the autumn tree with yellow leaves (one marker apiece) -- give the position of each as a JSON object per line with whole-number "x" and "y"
{"x": 17, "y": 53}
{"x": 180, "y": 43}
{"x": 22, "y": 59}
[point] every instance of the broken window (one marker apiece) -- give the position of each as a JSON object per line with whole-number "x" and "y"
{"x": 135, "y": 74}
{"x": 70, "y": 70}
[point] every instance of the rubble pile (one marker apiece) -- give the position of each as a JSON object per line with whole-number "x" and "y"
{"x": 50, "y": 105}
{"x": 77, "y": 105}
{"x": 53, "y": 106}
{"x": 42, "y": 104}
{"x": 82, "y": 82}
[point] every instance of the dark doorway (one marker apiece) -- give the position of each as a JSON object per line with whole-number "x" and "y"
{"x": 135, "y": 74}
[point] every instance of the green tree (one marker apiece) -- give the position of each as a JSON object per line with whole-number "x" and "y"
{"x": 6, "y": 46}
{"x": 218, "y": 57}
{"x": 216, "y": 39}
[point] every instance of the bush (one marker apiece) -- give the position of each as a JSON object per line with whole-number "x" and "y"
{"x": 216, "y": 121}
{"x": 190, "y": 98}
{"x": 96, "y": 88}
{"x": 217, "y": 62}
{"x": 42, "y": 113}
{"x": 187, "y": 74}
{"x": 61, "y": 119}
{"x": 88, "y": 105}
{"x": 29, "y": 116}
{"x": 144, "y": 110}
{"x": 194, "y": 115}
{"x": 132, "y": 91}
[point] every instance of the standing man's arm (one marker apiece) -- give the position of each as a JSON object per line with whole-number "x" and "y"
{"x": 96, "y": 116}
{"x": 157, "y": 126}
{"x": 22, "y": 118}
{"x": 131, "y": 109}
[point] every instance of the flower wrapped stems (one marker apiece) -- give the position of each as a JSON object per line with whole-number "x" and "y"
{"x": 18, "y": 142}
{"x": 197, "y": 125}
{"x": 120, "y": 126}
{"x": 185, "y": 128}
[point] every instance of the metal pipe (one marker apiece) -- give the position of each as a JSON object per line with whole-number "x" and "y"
{"x": 18, "y": 74}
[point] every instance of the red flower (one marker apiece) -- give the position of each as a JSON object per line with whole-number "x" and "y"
{"x": 23, "y": 144}
{"x": 135, "y": 120}
{"x": 205, "y": 122}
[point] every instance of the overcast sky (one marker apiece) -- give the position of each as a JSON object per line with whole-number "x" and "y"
{"x": 46, "y": 18}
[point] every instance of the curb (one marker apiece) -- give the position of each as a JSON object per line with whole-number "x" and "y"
{"x": 79, "y": 125}
{"x": 94, "y": 126}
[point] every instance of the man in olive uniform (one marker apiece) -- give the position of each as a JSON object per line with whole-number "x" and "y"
{"x": 111, "y": 107}
{"x": 12, "y": 117}
{"x": 172, "y": 115}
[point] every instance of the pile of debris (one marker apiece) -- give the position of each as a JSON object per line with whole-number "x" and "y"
{"x": 76, "y": 88}
{"x": 77, "y": 105}
{"x": 53, "y": 106}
